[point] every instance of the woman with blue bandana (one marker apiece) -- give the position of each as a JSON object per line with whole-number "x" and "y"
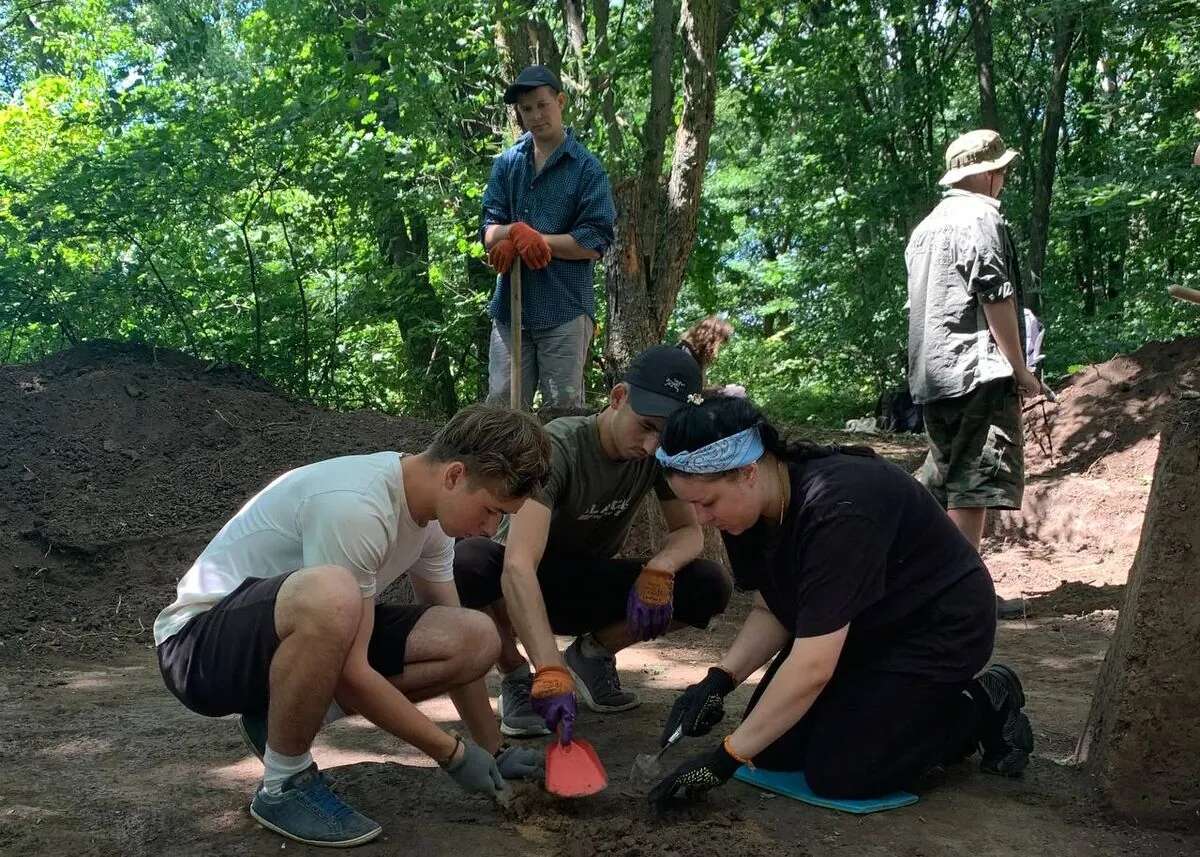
{"x": 877, "y": 613}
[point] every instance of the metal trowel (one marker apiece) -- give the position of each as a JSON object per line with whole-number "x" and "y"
{"x": 647, "y": 767}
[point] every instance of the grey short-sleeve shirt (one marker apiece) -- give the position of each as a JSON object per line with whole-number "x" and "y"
{"x": 960, "y": 257}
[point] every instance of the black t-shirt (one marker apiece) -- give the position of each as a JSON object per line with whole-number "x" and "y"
{"x": 864, "y": 544}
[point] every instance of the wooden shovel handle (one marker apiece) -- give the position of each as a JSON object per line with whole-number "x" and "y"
{"x": 514, "y": 325}
{"x": 1184, "y": 294}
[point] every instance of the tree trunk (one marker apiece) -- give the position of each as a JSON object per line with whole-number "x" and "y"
{"x": 1082, "y": 268}
{"x": 305, "y": 345}
{"x": 656, "y": 228}
{"x": 1142, "y": 739}
{"x": 418, "y": 309}
{"x": 981, "y": 29}
{"x": 482, "y": 280}
{"x": 1084, "y": 161}
{"x": 252, "y": 266}
{"x": 1039, "y": 221}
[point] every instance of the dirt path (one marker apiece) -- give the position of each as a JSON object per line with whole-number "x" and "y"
{"x": 99, "y": 759}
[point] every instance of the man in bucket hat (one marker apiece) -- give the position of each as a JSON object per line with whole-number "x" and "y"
{"x": 966, "y": 360}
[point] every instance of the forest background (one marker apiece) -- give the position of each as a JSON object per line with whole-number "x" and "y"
{"x": 295, "y": 185}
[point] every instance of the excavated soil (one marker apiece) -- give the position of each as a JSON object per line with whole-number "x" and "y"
{"x": 117, "y": 463}
{"x": 1089, "y": 461}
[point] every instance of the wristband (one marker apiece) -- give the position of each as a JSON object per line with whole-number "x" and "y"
{"x": 733, "y": 754}
{"x": 458, "y": 742}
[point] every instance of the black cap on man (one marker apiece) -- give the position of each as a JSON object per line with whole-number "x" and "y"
{"x": 531, "y": 77}
{"x": 660, "y": 380}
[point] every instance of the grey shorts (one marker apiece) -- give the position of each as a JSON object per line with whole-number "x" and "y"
{"x": 976, "y": 449}
{"x": 553, "y": 360}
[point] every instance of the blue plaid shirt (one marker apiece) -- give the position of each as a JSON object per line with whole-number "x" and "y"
{"x": 570, "y": 195}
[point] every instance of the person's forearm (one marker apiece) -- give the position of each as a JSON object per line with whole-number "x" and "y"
{"x": 566, "y": 247}
{"x": 679, "y": 548}
{"x": 761, "y": 638}
{"x": 789, "y": 696}
{"x": 475, "y": 708}
{"x": 527, "y": 611}
{"x": 495, "y": 233}
{"x": 1002, "y": 321}
{"x": 374, "y": 697}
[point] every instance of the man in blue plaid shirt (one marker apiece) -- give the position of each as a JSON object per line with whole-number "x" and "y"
{"x": 549, "y": 203}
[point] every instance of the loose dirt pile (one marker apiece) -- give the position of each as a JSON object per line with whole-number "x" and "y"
{"x": 118, "y": 463}
{"x": 1089, "y": 460}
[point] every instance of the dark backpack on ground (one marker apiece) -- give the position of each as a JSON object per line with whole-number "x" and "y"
{"x": 896, "y": 412}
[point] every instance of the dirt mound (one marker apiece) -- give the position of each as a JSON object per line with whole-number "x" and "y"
{"x": 118, "y": 463}
{"x": 1089, "y": 460}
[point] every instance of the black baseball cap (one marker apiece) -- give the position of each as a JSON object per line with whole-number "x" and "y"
{"x": 660, "y": 379}
{"x": 531, "y": 77}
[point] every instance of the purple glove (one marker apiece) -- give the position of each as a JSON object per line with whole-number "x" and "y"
{"x": 649, "y": 608}
{"x": 553, "y": 698}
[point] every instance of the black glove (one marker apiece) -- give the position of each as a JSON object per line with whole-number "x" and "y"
{"x": 696, "y": 775}
{"x": 700, "y": 707}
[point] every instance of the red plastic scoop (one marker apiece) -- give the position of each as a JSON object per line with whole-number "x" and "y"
{"x": 574, "y": 770}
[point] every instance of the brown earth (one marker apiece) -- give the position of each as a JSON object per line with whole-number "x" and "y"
{"x": 1143, "y": 718}
{"x": 1090, "y": 459}
{"x": 117, "y": 464}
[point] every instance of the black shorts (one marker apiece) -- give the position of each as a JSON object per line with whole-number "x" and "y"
{"x": 220, "y": 662}
{"x": 585, "y": 594}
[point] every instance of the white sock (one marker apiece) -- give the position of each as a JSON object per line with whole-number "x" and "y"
{"x": 589, "y": 648}
{"x": 278, "y": 767}
{"x": 334, "y": 714}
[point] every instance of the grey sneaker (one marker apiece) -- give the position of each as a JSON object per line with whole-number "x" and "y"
{"x": 1010, "y": 608}
{"x": 517, "y": 717}
{"x": 254, "y": 732}
{"x": 597, "y": 682}
{"x": 307, "y": 811}
{"x": 1007, "y": 740}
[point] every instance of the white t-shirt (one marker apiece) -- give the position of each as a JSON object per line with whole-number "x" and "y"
{"x": 348, "y": 511}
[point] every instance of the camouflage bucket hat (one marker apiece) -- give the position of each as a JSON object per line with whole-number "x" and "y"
{"x": 976, "y": 152}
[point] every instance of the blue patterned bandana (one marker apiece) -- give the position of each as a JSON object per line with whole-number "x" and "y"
{"x": 728, "y": 453}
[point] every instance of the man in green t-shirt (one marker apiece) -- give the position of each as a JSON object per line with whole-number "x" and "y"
{"x": 554, "y": 570}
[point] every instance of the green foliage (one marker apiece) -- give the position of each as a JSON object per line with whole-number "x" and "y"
{"x": 295, "y": 185}
{"x": 829, "y": 143}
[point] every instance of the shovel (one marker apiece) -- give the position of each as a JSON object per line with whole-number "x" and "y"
{"x": 574, "y": 769}
{"x": 514, "y": 323}
{"x": 646, "y": 768}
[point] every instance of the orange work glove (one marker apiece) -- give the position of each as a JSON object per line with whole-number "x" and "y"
{"x": 655, "y": 587}
{"x": 649, "y": 607}
{"x": 553, "y": 698}
{"x": 500, "y": 255}
{"x": 531, "y": 244}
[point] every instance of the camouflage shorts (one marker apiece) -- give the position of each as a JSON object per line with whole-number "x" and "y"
{"x": 976, "y": 449}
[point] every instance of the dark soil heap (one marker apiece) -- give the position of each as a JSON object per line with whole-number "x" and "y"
{"x": 118, "y": 463}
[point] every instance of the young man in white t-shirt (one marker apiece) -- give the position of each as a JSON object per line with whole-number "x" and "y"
{"x": 277, "y": 621}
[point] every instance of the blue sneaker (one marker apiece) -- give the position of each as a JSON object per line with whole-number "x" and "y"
{"x": 307, "y": 811}
{"x": 254, "y": 732}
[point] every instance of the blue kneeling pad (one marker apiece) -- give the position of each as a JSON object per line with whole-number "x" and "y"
{"x": 792, "y": 784}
